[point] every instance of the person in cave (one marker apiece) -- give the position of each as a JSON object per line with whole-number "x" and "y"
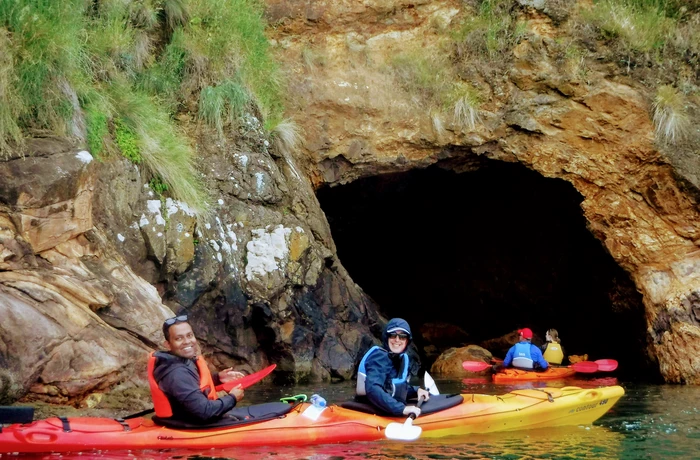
{"x": 552, "y": 350}
{"x": 382, "y": 377}
{"x": 525, "y": 355}
{"x": 182, "y": 387}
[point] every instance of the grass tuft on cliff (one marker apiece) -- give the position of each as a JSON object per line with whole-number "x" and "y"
{"x": 490, "y": 32}
{"x": 125, "y": 70}
{"x": 10, "y": 100}
{"x": 43, "y": 62}
{"x": 287, "y": 137}
{"x": 223, "y": 104}
{"x": 160, "y": 145}
{"x": 226, "y": 42}
{"x": 641, "y": 25}
{"x": 430, "y": 78}
{"x": 671, "y": 119}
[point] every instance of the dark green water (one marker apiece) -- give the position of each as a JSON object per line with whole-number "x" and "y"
{"x": 649, "y": 422}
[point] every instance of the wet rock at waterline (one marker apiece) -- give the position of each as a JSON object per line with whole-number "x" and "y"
{"x": 449, "y": 364}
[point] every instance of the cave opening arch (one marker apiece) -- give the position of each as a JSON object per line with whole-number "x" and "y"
{"x": 471, "y": 252}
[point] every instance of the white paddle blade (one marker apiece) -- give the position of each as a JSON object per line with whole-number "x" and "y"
{"x": 403, "y": 431}
{"x": 429, "y": 385}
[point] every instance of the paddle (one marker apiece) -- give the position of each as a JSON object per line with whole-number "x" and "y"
{"x": 245, "y": 382}
{"x": 586, "y": 367}
{"x": 475, "y": 366}
{"x": 404, "y": 431}
{"x": 606, "y": 365}
{"x": 16, "y": 414}
{"x": 429, "y": 384}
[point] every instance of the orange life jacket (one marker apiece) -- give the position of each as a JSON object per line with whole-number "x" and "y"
{"x": 160, "y": 400}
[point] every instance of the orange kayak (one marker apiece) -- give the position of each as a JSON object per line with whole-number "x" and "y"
{"x": 305, "y": 424}
{"x": 518, "y": 375}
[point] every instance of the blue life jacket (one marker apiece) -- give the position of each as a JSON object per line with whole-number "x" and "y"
{"x": 399, "y": 385}
{"x": 522, "y": 357}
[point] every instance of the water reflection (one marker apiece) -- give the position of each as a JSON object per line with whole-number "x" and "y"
{"x": 561, "y": 443}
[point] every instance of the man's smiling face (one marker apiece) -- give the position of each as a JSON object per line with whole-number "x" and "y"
{"x": 182, "y": 341}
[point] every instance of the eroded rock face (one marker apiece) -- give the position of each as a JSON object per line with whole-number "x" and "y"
{"x": 58, "y": 275}
{"x": 92, "y": 261}
{"x": 595, "y": 133}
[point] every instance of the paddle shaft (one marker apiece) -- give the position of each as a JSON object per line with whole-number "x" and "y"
{"x": 420, "y": 403}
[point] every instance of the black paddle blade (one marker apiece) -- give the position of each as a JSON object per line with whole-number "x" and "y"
{"x": 16, "y": 414}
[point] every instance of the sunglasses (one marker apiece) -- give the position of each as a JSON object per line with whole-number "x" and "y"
{"x": 175, "y": 320}
{"x": 395, "y": 335}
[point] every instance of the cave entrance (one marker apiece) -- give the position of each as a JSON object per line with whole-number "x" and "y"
{"x": 490, "y": 250}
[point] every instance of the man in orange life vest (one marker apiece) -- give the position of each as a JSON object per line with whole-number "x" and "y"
{"x": 181, "y": 384}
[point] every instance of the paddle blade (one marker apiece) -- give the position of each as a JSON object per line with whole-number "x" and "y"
{"x": 248, "y": 380}
{"x": 475, "y": 366}
{"x": 403, "y": 431}
{"x": 585, "y": 367}
{"x": 606, "y": 365}
{"x": 16, "y": 414}
{"x": 429, "y": 384}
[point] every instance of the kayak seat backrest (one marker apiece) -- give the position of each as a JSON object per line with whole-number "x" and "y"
{"x": 16, "y": 414}
{"x": 436, "y": 403}
{"x": 236, "y": 416}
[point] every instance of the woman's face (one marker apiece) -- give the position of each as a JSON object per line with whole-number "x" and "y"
{"x": 397, "y": 342}
{"x": 548, "y": 336}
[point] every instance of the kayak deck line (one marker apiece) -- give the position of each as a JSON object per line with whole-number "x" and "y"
{"x": 290, "y": 428}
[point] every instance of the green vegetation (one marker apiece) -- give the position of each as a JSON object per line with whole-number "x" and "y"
{"x": 97, "y": 130}
{"x": 225, "y": 102}
{"x": 10, "y": 101}
{"x": 491, "y": 32}
{"x": 226, "y": 39}
{"x": 42, "y": 62}
{"x": 165, "y": 77}
{"x": 157, "y": 185}
{"x": 127, "y": 68}
{"x": 127, "y": 142}
{"x": 641, "y": 25}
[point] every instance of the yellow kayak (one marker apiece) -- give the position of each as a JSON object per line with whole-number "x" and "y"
{"x": 522, "y": 410}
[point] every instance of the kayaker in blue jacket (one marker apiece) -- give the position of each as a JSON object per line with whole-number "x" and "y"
{"x": 184, "y": 386}
{"x": 382, "y": 377}
{"x": 525, "y": 355}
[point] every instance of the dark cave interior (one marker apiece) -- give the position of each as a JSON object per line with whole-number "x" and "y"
{"x": 490, "y": 250}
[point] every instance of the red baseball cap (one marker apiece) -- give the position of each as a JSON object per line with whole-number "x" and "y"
{"x": 526, "y": 332}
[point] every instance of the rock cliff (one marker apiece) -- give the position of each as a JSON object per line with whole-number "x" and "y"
{"x": 92, "y": 260}
{"x": 591, "y": 129}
